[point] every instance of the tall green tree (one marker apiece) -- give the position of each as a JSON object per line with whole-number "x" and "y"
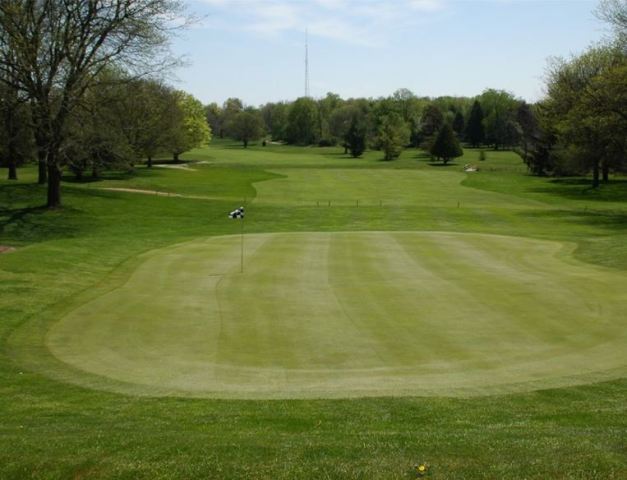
{"x": 586, "y": 105}
{"x": 302, "y": 122}
{"x": 393, "y": 135}
{"x": 55, "y": 51}
{"x": 446, "y": 146}
{"x": 189, "y": 129}
{"x": 529, "y": 129}
{"x": 432, "y": 120}
{"x": 231, "y": 107}
{"x": 148, "y": 111}
{"x": 475, "y": 133}
{"x": 214, "y": 116}
{"x": 355, "y": 137}
{"x": 499, "y": 108}
{"x": 275, "y": 119}
{"x": 458, "y": 123}
{"x": 247, "y": 126}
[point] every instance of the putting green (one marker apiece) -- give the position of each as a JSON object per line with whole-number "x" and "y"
{"x": 351, "y": 314}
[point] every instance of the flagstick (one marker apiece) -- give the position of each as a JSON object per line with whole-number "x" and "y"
{"x": 242, "y": 246}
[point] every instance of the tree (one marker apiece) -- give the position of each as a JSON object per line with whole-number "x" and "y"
{"x": 247, "y": 126}
{"x": 16, "y": 137}
{"x": 526, "y": 118}
{"x": 214, "y": 116}
{"x": 458, "y": 123}
{"x": 586, "y": 105}
{"x": 231, "y": 107}
{"x": 56, "y": 50}
{"x": 393, "y": 135}
{"x": 302, "y": 122}
{"x": 446, "y": 145}
{"x": 189, "y": 129}
{"x": 432, "y": 121}
{"x": 499, "y": 108}
{"x": 355, "y": 137}
{"x": 275, "y": 119}
{"x": 326, "y": 107}
{"x": 474, "y": 128}
{"x": 614, "y": 12}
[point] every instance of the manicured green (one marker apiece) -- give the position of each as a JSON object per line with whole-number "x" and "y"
{"x": 67, "y": 306}
{"x": 352, "y": 314}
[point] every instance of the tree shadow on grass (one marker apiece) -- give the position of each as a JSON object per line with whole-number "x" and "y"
{"x": 24, "y": 218}
{"x": 423, "y": 156}
{"x": 614, "y": 220}
{"x": 581, "y": 189}
{"x": 440, "y": 164}
{"x": 107, "y": 175}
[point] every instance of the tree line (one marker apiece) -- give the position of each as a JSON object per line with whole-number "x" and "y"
{"x": 78, "y": 91}
{"x": 390, "y": 124}
{"x": 579, "y": 127}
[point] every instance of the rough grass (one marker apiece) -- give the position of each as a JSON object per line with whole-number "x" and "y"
{"x": 52, "y": 428}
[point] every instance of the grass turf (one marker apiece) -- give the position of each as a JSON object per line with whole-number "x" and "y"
{"x": 352, "y": 314}
{"x": 51, "y": 428}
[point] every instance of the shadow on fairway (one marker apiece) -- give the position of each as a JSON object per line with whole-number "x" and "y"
{"x": 68, "y": 177}
{"x": 608, "y": 219}
{"x": 23, "y": 221}
{"x": 581, "y": 189}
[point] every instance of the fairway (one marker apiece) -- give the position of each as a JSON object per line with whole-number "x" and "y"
{"x": 351, "y": 314}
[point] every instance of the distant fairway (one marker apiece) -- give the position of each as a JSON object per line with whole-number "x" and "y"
{"x": 349, "y": 314}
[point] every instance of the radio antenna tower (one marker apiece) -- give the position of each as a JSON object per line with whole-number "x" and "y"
{"x": 306, "y": 64}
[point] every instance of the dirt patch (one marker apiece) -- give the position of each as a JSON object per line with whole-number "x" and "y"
{"x": 138, "y": 190}
{"x": 6, "y": 249}
{"x": 177, "y": 167}
{"x": 160, "y": 194}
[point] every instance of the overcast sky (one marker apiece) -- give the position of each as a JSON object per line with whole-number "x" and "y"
{"x": 254, "y": 49}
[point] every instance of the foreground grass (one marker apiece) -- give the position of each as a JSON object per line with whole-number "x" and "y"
{"x": 52, "y": 429}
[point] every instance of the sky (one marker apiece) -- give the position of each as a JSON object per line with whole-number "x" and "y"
{"x": 255, "y": 49}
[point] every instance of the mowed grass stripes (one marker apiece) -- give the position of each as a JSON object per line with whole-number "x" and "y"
{"x": 327, "y": 315}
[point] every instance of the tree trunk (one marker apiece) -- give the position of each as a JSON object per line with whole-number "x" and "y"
{"x": 54, "y": 185}
{"x": 94, "y": 172}
{"x": 175, "y": 157}
{"x": 43, "y": 173}
{"x": 595, "y": 174}
{"x": 149, "y": 162}
{"x": 245, "y": 143}
{"x": 12, "y": 169}
{"x": 605, "y": 169}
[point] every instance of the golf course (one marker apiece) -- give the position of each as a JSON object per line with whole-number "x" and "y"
{"x": 363, "y": 317}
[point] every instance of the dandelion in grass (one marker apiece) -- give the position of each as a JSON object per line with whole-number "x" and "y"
{"x": 421, "y": 469}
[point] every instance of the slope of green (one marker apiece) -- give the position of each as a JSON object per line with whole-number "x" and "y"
{"x": 50, "y": 427}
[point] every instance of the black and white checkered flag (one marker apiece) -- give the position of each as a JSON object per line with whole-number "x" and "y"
{"x": 237, "y": 213}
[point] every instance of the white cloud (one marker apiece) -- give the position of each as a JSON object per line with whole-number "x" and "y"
{"x": 358, "y": 22}
{"x": 427, "y": 5}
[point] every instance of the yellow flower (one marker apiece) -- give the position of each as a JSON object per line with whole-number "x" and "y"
{"x": 421, "y": 468}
